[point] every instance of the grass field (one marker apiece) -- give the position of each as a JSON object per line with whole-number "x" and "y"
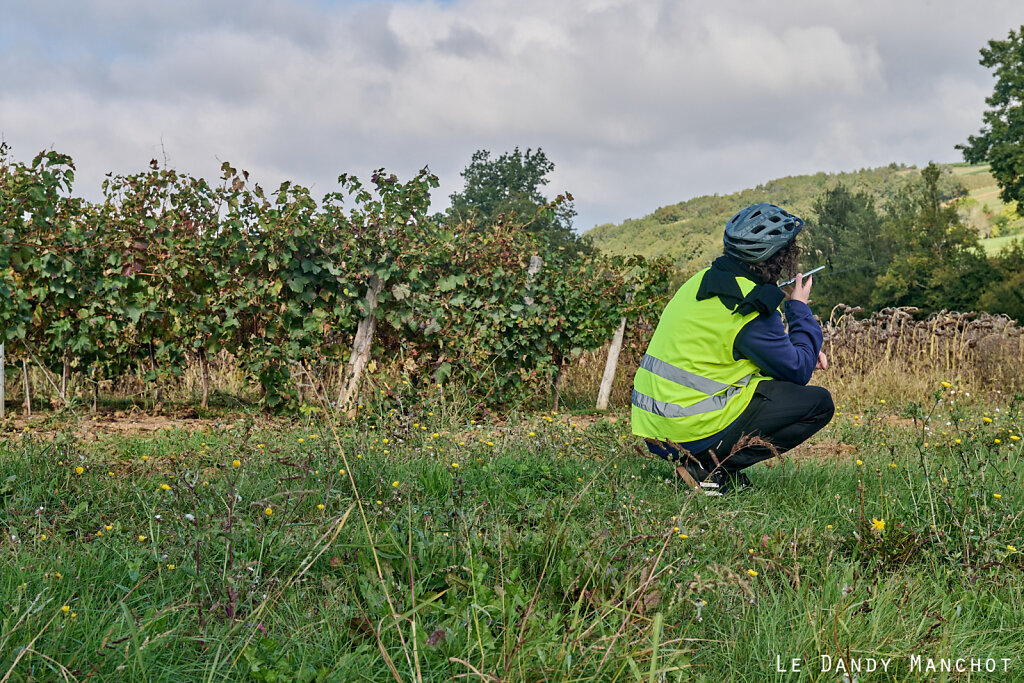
{"x": 428, "y": 544}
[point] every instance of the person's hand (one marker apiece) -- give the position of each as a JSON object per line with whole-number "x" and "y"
{"x": 800, "y": 290}
{"x": 822, "y": 361}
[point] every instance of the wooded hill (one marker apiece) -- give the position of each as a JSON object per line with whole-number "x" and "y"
{"x": 690, "y": 232}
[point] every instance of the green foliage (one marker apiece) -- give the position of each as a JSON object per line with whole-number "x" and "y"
{"x": 844, "y": 233}
{"x": 508, "y": 189}
{"x": 169, "y": 268}
{"x": 1000, "y": 141}
{"x": 937, "y": 263}
{"x": 1004, "y": 293}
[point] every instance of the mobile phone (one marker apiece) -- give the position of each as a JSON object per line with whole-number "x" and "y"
{"x": 810, "y": 272}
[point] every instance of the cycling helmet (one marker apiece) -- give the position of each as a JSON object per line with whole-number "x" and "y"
{"x": 758, "y": 231}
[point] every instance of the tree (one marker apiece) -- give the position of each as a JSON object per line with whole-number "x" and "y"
{"x": 509, "y": 189}
{"x": 846, "y": 236}
{"x": 937, "y": 264}
{"x": 1001, "y": 139}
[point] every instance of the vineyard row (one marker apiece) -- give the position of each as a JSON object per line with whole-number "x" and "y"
{"x": 169, "y": 267}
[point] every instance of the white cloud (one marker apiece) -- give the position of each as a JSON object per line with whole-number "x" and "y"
{"x": 638, "y": 104}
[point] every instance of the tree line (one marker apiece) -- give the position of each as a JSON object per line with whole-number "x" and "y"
{"x": 911, "y": 250}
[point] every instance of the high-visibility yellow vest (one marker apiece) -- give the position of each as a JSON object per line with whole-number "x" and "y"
{"x": 689, "y": 386}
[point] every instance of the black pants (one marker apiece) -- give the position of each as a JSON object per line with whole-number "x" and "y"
{"x": 782, "y": 413}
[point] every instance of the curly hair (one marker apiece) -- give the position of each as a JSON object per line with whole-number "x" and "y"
{"x": 785, "y": 260}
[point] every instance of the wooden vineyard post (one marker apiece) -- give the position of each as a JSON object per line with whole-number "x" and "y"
{"x": 64, "y": 381}
{"x": 605, "y": 392}
{"x": 361, "y": 345}
{"x": 612, "y": 362}
{"x": 3, "y": 380}
{"x": 204, "y": 374}
{"x": 28, "y": 395}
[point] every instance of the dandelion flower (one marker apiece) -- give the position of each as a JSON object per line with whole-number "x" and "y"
{"x": 878, "y": 524}
{"x": 165, "y": 487}
{"x": 752, "y": 573}
{"x": 301, "y": 440}
{"x": 997, "y": 496}
{"x": 829, "y": 527}
{"x": 946, "y": 385}
{"x": 171, "y": 567}
{"x": 380, "y": 502}
{"x": 42, "y": 537}
{"x": 531, "y": 434}
{"x": 395, "y": 484}
{"x": 997, "y": 441}
{"x": 859, "y": 463}
{"x": 236, "y": 463}
{"x": 268, "y": 512}
{"x": 145, "y": 458}
{"x": 320, "y": 506}
{"x": 986, "y": 419}
{"x": 1011, "y": 548}
{"x": 79, "y": 469}
{"x": 141, "y": 538}
{"x": 65, "y": 609}
{"x": 683, "y": 536}
{"x": 341, "y": 471}
{"x": 455, "y": 465}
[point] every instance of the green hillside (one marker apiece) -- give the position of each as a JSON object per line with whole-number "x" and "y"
{"x": 690, "y": 232}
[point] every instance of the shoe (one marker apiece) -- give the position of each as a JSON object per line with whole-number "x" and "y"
{"x": 718, "y": 482}
{"x": 740, "y": 480}
{"x": 696, "y": 477}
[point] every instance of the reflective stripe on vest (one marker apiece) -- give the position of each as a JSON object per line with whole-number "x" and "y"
{"x": 716, "y": 399}
{"x": 683, "y": 377}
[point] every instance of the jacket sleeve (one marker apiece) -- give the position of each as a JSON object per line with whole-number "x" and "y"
{"x": 791, "y": 356}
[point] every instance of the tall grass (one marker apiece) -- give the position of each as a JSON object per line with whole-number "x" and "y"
{"x": 454, "y": 547}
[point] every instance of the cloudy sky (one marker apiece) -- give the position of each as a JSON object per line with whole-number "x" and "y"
{"x": 638, "y": 103}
